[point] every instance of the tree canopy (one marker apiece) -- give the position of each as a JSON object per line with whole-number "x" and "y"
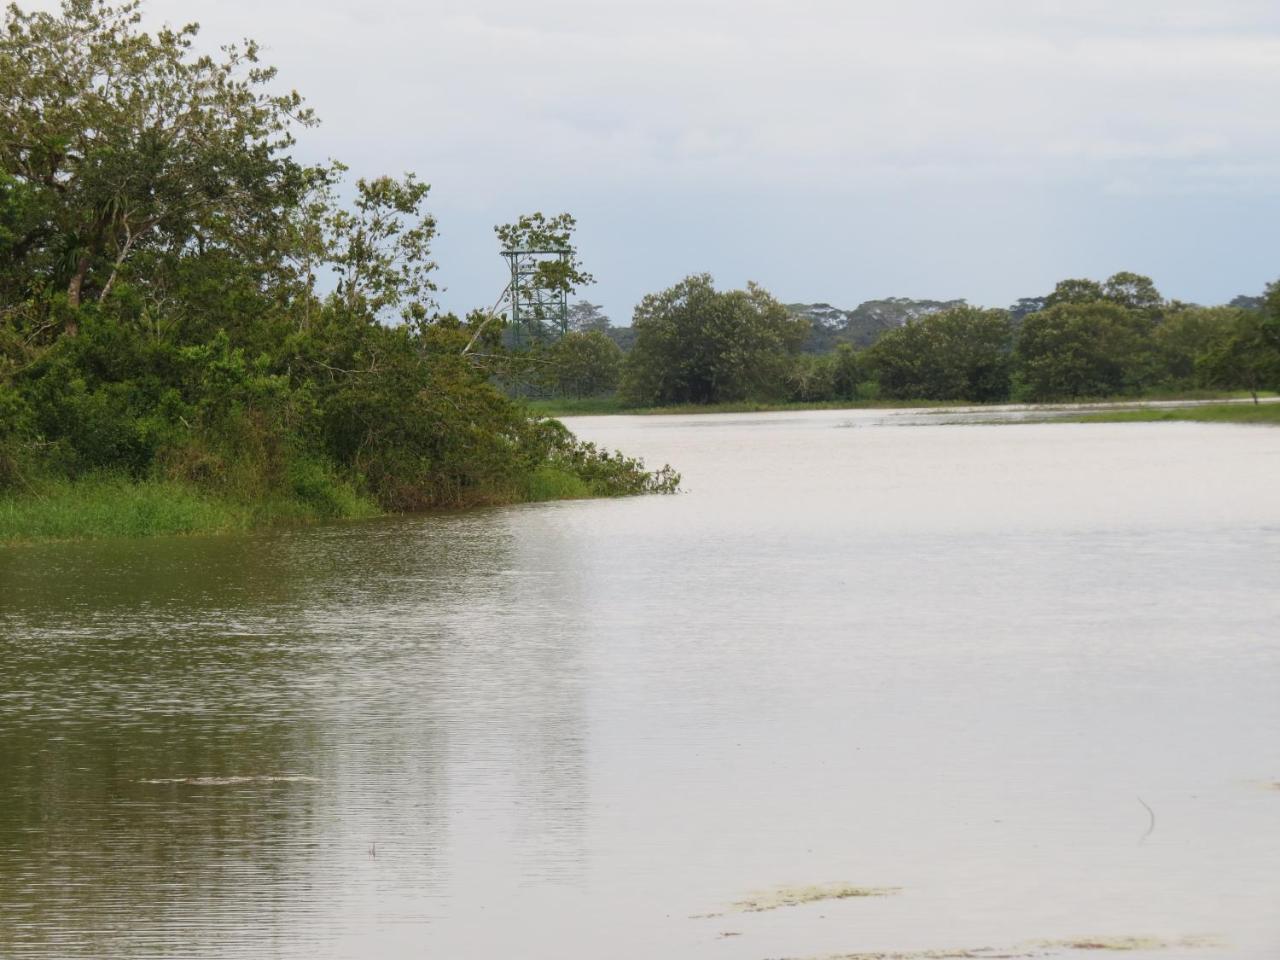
{"x": 1246, "y": 349}
{"x": 1087, "y": 339}
{"x": 695, "y": 344}
{"x": 161, "y": 302}
{"x": 963, "y": 353}
{"x": 1083, "y": 349}
{"x": 129, "y": 147}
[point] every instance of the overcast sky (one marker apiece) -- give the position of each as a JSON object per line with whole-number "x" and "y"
{"x": 833, "y": 151}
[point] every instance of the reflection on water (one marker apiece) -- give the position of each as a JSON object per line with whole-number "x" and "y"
{"x": 961, "y": 661}
{"x": 220, "y": 739}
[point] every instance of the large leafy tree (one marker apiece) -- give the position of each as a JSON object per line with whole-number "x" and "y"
{"x": 957, "y": 354}
{"x": 1134, "y": 292}
{"x": 1094, "y": 339}
{"x": 1247, "y": 353}
{"x": 1185, "y": 336}
{"x": 584, "y": 364}
{"x": 695, "y": 344}
{"x": 1075, "y": 290}
{"x": 1089, "y": 349}
{"x": 126, "y": 143}
{"x": 381, "y": 249}
{"x": 585, "y": 316}
{"x": 1130, "y": 290}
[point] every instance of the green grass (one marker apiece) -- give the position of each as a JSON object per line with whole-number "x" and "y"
{"x": 568, "y": 407}
{"x": 315, "y": 491}
{"x": 112, "y": 506}
{"x": 548, "y": 482}
{"x": 116, "y": 506}
{"x": 1193, "y": 395}
{"x": 1267, "y": 413}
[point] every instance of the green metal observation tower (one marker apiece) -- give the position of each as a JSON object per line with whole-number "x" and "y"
{"x": 539, "y": 305}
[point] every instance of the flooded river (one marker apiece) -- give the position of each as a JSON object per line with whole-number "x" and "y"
{"x": 1011, "y": 690}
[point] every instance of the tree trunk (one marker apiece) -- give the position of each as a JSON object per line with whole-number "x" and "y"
{"x": 73, "y": 294}
{"x": 130, "y": 237}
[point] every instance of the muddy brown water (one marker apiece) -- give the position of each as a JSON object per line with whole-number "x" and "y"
{"x": 1025, "y": 679}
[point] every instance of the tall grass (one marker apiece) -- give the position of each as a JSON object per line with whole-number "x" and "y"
{"x": 110, "y": 505}
{"x": 549, "y": 482}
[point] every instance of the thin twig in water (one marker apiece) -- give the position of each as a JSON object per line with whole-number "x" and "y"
{"x": 1150, "y": 829}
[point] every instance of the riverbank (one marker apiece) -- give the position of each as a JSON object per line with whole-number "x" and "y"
{"x": 613, "y": 406}
{"x": 1264, "y": 413}
{"x": 113, "y": 506}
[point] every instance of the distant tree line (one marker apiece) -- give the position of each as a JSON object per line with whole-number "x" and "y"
{"x": 1086, "y": 339}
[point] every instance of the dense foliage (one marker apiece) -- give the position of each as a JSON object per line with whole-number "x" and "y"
{"x": 161, "y": 258}
{"x": 860, "y": 327}
{"x": 958, "y": 354}
{"x": 1084, "y": 349}
{"x": 1086, "y": 339}
{"x": 585, "y": 364}
{"x": 695, "y": 344}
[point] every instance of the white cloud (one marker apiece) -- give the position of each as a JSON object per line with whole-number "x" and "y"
{"x": 601, "y": 90}
{"x": 834, "y": 111}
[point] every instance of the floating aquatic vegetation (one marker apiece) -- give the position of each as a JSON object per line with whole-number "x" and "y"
{"x": 1128, "y": 943}
{"x": 797, "y": 896}
{"x": 1036, "y": 949}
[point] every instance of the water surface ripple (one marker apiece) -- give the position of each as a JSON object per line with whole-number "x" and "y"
{"x": 1025, "y": 675}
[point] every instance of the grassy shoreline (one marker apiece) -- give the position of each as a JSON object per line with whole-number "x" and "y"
{"x": 1265, "y": 413}
{"x": 612, "y": 406}
{"x": 112, "y": 506}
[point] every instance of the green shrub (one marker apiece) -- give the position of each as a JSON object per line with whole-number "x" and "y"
{"x": 316, "y": 486}
{"x": 548, "y": 482}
